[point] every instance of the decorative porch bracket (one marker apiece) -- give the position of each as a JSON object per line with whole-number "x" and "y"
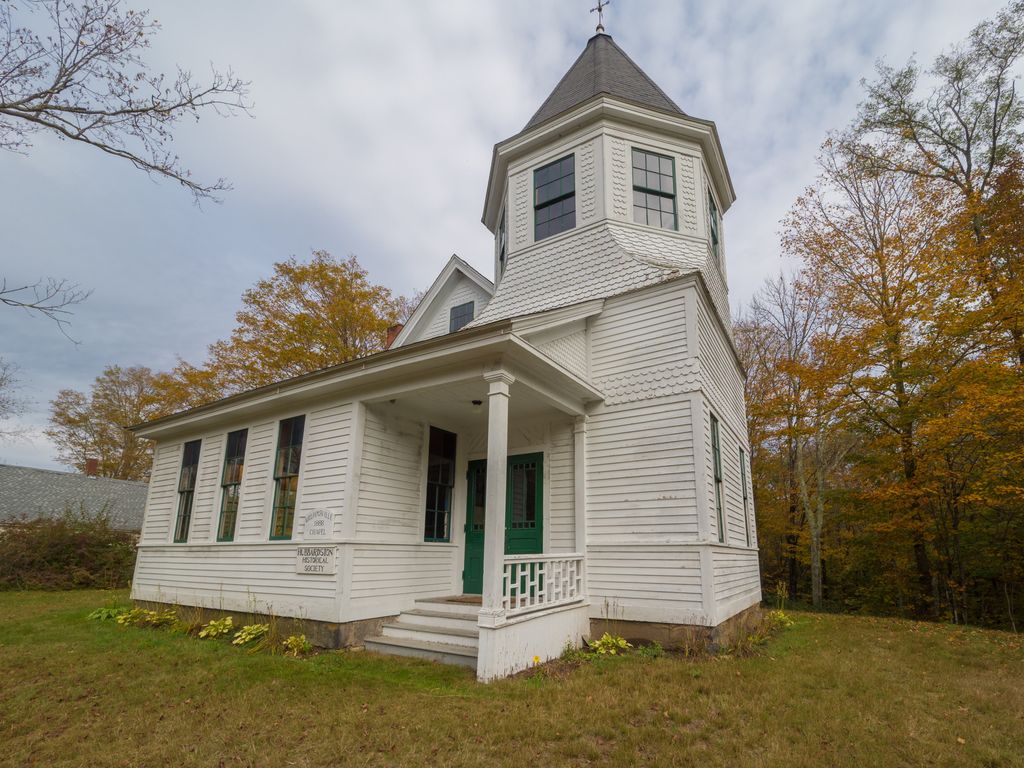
{"x": 492, "y": 611}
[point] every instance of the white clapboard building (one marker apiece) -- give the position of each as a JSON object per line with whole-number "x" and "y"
{"x": 563, "y": 445}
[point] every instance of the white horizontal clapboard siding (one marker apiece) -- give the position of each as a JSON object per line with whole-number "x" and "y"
{"x": 162, "y": 499}
{"x": 641, "y": 583}
{"x": 204, "y": 514}
{"x": 259, "y": 577}
{"x": 325, "y": 455}
{"x": 388, "y": 578}
{"x": 257, "y": 494}
{"x": 736, "y": 575}
{"x": 391, "y": 483}
{"x": 438, "y": 322}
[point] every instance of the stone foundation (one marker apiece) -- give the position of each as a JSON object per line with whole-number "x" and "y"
{"x": 323, "y": 634}
{"x": 682, "y": 636}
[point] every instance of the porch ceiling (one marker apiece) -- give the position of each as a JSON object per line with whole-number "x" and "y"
{"x": 451, "y": 405}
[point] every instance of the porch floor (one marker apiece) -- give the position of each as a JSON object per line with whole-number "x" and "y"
{"x": 459, "y": 599}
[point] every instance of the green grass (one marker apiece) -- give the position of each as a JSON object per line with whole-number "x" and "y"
{"x": 831, "y": 690}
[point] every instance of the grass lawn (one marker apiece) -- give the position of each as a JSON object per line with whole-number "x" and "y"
{"x": 831, "y": 690}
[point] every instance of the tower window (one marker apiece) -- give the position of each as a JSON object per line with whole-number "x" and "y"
{"x": 554, "y": 198}
{"x": 459, "y": 316}
{"x": 713, "y": 223}
{"x": 716, "y": 458}
{"x": 654, "y": 189}
{"x": 502, "y": 244}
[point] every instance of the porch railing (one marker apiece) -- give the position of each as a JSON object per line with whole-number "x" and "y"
{"x": 535, "y": 582}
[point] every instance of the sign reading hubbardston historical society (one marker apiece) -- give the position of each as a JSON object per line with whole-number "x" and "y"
{"x": 316, "y": 560}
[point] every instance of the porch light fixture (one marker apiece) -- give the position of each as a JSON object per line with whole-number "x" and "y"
{"x": 477, "y": 405}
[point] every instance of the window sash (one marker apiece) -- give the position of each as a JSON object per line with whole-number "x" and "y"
{"x": 713, "y": 223}
{"x": 716, "y": 453}
{"x": 654, "y": 189}
{"x": 460, "y": 315}
{"x": 186, "y": 489}
{"x": 746, "y": 505}
{"x": 440, "y": 486}
{"x": 554, "y": 198}
{"x": 287, "y": 463}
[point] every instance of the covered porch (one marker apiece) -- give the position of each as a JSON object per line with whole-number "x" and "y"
{"x": 503, "y": 452}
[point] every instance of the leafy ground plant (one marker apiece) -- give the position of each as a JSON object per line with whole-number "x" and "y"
{"x": 217, "y": 628}
{"x": 251, "y": 634}
{"x": 610, "y": 645}
{"x": 296, "y": 645}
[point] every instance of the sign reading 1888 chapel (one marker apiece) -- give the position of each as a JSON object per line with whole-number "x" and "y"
{"x": 319, "y": 525}
{"x": 318, "y": 560}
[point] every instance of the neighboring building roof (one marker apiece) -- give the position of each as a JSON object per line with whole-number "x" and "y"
{"x": 29, "y": 493}
{"x": 603, "y": 67}
{"x": 450, "y": 273}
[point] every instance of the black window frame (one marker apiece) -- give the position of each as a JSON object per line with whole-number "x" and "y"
{"x": 552, "y": 197}
{"x": 232, "y": 471}
{"x": 649, "y": 194}
{"x": 457, "y": 318}
{"x": 440, "y": 485}
{"x": 287, "y": 464}
{"x": 187, "y": 479}
{"x": 716, "y": 459}
{"x": 502, "y": 243}
{"x": 714, "y": 226}
{"x": 746, "y": 501}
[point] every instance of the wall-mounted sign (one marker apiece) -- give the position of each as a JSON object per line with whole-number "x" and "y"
{"x": 316, "y": 560}
{"x": 319, "y": 525}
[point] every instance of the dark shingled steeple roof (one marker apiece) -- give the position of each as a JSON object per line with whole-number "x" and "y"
{"x": 605, "y": 68}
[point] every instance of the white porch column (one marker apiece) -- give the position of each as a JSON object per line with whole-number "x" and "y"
{"x": 580, "y": 482}
{"x": 497, "y": 462}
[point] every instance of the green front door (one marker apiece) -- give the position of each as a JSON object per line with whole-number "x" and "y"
{"x": 524, "y": 514}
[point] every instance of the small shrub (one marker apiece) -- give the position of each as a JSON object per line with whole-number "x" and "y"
{"x": 217, "y": 628}
{"x": 651, "y": 651}
{"x": 106, "y": 614}
{"x": 610, "y": 645}
{"x": 296, "y": 645}
{"x": 131, "y": 616}
{"x": 777, "y": 620}
{"x": 250, "y": 633}
{"x": 164, "y": 618}
{"x": 73, "y": 551}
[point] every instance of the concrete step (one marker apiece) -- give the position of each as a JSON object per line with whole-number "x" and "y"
{"x": 440, "y": 619}
{"x": 439, "y": 605}
{"x": 442, "y": 652}
{"x": 405, "y": 628}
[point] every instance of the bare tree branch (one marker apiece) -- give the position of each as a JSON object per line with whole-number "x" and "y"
{"x": 50, "y": 298}
{"x": 84, "y": 80}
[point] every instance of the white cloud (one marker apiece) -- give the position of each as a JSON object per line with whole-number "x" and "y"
{"x": 372, "y": 134}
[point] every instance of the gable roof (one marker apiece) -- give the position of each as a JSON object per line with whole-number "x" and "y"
{"x": 30, "y": 493}
{"x": 605, "y": 68}
{"x": 452, "y": 269}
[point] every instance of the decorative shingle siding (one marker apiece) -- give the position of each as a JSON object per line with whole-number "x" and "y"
{"x": 688, "y": 197}
{"x": 521, "y": 210}
{"x": 620, "y": 182}
{"x": 570, "y": 350}
{"x": 587, "y": 184}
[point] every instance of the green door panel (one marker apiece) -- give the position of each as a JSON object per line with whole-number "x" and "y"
{"x": 524, "y": 514}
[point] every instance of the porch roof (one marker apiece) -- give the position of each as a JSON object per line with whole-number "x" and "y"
{"x": 471, "y": 351}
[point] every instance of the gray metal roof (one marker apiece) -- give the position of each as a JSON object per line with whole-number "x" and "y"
{"x": 605, "y": 68}
{"x": 29, "y": 493}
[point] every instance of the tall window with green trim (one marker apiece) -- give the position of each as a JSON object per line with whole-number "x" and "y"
{"x": 716, "y": 458}
{"x": 554, "y": 198}
{"x": 286, "y": 476}
{"x": 654, "y": 189}
{"x": 713, "y": 224}
{"x": 440, "y": 482}
{"x": 746, "y": 500}
{"x": 231, "y": 483}
{"x": 186, "y": 489}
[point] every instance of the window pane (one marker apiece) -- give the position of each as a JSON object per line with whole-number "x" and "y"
{"x": 440, "y": 480}
{"x": 638, "y": 159}
{"x": 523, "y": 495}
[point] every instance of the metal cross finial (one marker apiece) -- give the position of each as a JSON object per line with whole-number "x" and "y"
{"x": 601, "y": 5}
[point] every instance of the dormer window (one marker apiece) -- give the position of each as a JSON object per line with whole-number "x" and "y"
{"x": 554, "y": 198}
{"x": 459, "y": 316}
{"x": 713, "y": 223}
{"x": 654, "y": 190}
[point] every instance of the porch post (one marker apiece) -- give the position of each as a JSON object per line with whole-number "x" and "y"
{"x": 497, "y": 462}
{"x": 580, "y": 482}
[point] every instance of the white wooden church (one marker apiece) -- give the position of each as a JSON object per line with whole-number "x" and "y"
{"x": 533, "y": 455}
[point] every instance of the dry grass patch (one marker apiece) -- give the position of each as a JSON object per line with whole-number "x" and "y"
{"x": 831, "y": 690}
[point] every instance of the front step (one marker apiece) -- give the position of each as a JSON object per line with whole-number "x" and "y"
{"x": 444, "y": 653}
{"x": 441, "y": 629}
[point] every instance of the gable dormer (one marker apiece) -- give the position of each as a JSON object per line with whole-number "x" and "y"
{"x": 609, "y": 187}
{"x": 455, "y": 299}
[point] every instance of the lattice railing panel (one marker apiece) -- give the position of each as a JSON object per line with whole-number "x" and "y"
{"x": 535, "y": 582}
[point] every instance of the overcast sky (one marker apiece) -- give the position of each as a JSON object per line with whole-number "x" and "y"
{"x": 372, "y": 134}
